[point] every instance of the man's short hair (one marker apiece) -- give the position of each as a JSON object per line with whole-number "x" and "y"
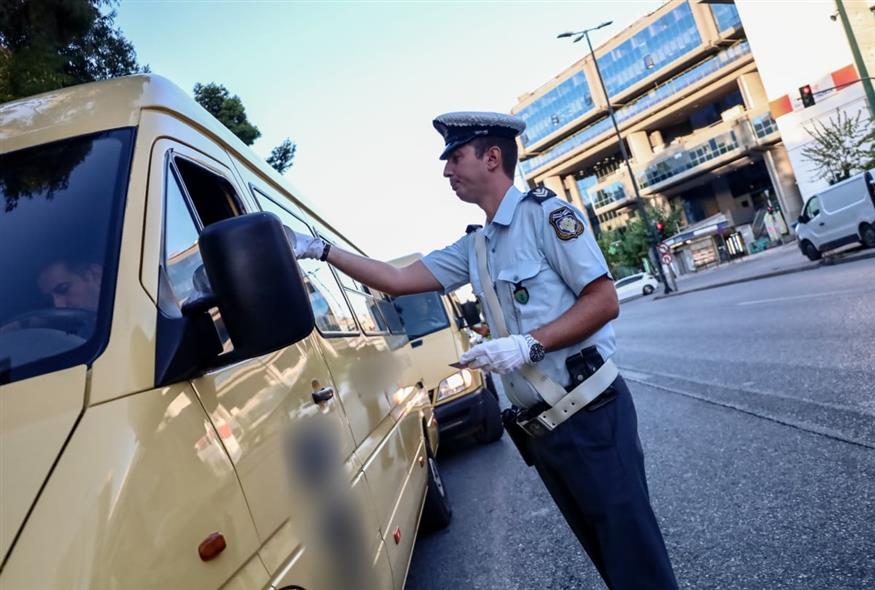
{"x": 508, "y": 149}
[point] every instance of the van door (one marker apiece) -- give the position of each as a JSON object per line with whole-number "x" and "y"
{"x": 816, "y": 223}
{"x": 384, "y": 417}
{"x": 335, "y": 322}
{"x": 282, "y": 442}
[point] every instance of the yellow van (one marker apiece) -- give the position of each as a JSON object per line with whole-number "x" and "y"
{"x": 181, "y": 404}
{"x": 465, "y": 400}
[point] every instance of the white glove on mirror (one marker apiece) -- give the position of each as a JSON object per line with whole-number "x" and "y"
{"x": 305, "y": 246}
{"x": 500, "y": 356}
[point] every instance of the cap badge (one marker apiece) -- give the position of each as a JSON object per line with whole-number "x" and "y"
{"x": 566, "y": 224}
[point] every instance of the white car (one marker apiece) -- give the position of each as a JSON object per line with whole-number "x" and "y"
{"x": 635, "y": 285}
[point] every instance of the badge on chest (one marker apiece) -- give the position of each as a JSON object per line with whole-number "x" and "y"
{"x": 520, "y": 294}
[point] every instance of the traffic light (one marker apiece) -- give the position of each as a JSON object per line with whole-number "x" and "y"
{"x": 807, "y": 96}
{"x": 660, "y": 231}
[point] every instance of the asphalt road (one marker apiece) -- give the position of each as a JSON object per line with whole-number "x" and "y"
{"x": 756, "y": 408}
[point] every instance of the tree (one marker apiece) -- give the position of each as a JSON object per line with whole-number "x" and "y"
{"x": 282, "y": 156}
{"x": 840, "y": 146}
{"x": 229, "y": 110}
{"x": 626, "y": 247}
{"x": 50, "y": 44}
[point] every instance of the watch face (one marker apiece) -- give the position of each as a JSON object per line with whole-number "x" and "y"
{"x": 537, "y": 352}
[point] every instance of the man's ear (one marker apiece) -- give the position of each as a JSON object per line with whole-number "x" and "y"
{"x": 493, "y": 158}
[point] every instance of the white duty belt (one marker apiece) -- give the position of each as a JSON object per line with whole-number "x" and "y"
{"x": 562, "y": 404}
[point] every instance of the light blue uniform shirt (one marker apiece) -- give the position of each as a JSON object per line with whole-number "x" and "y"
{"x": 526, "y": 249}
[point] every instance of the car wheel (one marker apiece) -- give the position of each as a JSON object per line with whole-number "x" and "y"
{"x": 491, "y": 428}
{"x": 810, "y": 250}
{"x": 437, "y": 512}
{"x": 648, "y": 289}
{"x": 867, "y": 235}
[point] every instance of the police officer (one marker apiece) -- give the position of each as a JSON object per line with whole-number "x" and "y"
{"x": 549, "y": 300}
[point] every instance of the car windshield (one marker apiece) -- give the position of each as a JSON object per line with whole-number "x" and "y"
{"x": 422, "y": 314}
{"x": 59, "y": 233}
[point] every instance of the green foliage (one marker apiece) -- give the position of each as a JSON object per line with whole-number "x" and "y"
{"x": 51, "y": 44}
{"x": 217, "y": 100}
{"x": 282, "y": 156}
{"x": 626, "y": 247}
{"x": 841, "y": 147}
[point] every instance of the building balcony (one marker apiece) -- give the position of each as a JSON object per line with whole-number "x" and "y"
{"x": 612, "y": 192}
{"x": 706, "y": 150}
{"x": 698, "y": 76}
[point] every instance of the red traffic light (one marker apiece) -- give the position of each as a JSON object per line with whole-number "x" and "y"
{"x": 807, "y": 96}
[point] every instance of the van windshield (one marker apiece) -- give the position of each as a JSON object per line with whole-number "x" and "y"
{"x": 60, "y": 205}
{"x": 422, "y": 314}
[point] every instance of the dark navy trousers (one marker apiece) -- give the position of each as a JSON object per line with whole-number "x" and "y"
{"x": 593, "y": 466}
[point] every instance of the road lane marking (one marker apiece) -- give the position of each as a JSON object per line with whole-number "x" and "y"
{"x": 806, "y": 296}
{"x": 783, "y": 420}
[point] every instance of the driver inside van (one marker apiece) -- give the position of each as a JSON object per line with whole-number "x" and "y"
{"x": 72, "y": 284}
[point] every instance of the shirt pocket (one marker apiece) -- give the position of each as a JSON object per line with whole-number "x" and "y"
{"x": 520, "y": 284}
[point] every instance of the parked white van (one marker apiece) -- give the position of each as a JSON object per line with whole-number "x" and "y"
{"x": 842, "y": 214}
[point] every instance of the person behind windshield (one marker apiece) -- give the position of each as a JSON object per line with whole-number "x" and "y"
{"x": 72, "y": 284}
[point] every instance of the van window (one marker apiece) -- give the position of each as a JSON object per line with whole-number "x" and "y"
{"x": 194, "y": 198}
{"x": 332, "y": 314}
{"x": 60, "y": 225}
{"x": 422, "y": 313}
{"x": 813, "y": 207}
{"x": 360, "y": 297}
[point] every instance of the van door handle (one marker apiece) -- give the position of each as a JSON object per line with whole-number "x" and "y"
{"x": 821, "y": 223}
{"x": 323, "y": 395}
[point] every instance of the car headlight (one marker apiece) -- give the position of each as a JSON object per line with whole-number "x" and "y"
{"x": 455, "y": 383}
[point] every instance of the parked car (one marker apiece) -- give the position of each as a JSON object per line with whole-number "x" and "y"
{"x": 636, "y": 285}
{"x": 842, "y": 214}
{"x": 465, "y": 400}
{"x": 183, "y": 404}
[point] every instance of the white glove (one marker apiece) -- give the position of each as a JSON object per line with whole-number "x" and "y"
{"x": 305, "y": 246}
{"x": 501, "y": 355}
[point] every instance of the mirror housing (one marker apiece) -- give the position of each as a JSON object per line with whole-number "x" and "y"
{"x": 471, "y": 313}
{"x": 803, "y": 219}
{"x": 256, "y": 283}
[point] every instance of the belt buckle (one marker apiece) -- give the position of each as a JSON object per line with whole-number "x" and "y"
{"x": 534, "y": 428}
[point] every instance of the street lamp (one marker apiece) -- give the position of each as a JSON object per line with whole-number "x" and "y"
{"x": 584, "y": 34}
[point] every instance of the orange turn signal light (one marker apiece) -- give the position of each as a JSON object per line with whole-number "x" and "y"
{"x": 210, "y": 547}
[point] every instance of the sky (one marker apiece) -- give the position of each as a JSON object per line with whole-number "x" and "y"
{"x": 356, "y": 85}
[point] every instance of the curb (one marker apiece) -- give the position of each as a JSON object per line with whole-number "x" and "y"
{"x": 824, "y": 262}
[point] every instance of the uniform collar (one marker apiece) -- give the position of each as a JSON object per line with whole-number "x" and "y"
{"x": 506, "y": 208}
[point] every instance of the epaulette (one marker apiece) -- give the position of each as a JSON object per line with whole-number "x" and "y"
{"x": 541, "y": 194}
{"x": 472, "y": 228}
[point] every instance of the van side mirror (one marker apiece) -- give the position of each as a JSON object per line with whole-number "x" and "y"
{"x": 804, "y": 218}
{"x": 471, "y": 313}
{"x": 256, "y": 283}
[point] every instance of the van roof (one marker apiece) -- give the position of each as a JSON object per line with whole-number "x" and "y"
{"x": 115, "y": 103}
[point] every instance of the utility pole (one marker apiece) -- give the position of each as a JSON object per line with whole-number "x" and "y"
{"x": 858, "y": 58}
{"x": 642, "y": 207}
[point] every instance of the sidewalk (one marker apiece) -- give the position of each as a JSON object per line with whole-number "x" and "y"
{"x": 777, "y": 261}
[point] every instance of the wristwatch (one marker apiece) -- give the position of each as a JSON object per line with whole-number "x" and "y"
{"x": 536, "y": 349}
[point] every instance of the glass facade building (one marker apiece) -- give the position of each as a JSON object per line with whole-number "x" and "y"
{"x": 726, "y": 16}
{"x": 663, "y": 93}
{"x": 558, "y": 107}
{"x": 654, "y": 47}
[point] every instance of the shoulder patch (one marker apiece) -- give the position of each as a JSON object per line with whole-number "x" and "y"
{"x": 541, "y": 194}
{"x": 566, "y": 224}
{"x": 472, "y": 228}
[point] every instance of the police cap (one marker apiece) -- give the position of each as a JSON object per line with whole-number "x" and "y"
{"x": 460, "y": 128}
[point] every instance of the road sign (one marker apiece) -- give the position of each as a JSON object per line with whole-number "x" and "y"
{"x": 666, "y": 258}
{"x": 663, "y": 248}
